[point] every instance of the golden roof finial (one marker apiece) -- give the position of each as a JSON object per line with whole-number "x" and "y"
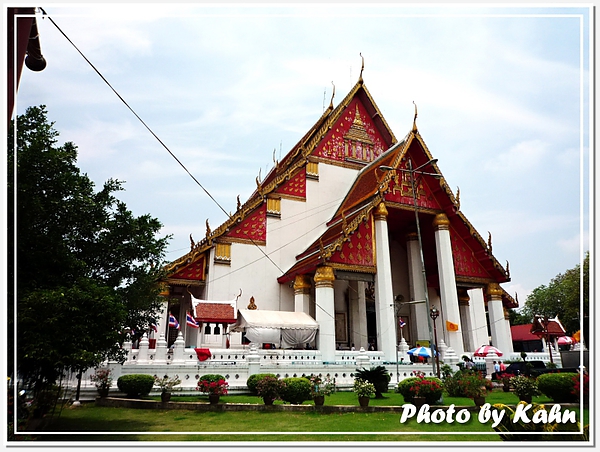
{"x": 490, "y": 241}
{"x": 415, "y": 119}
{"x": 362, "y": 67}
{"x": 458, "y": 198}
{"x": 507, "y": 269}
{"x": 208, "y": 231}
{"x": 192, "y": 244}
{"x": 274, "y": 159}
{"x": 332, "y": 96}
{"x": 239, "y": 204}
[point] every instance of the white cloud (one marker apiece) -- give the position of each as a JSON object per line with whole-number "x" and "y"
{"x": 521, "y": 157}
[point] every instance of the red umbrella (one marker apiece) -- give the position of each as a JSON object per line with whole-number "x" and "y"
{"x": 485, "y": 349}
{"x": 565, "y": 340}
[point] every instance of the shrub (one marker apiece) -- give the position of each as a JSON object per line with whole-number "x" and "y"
{"x": 211, "y": 378}
{"x": 135, "y": 384}
{"x": 404, "y": 388}
{"x": 270, "y": 387}
{"x": 431, "y": 388}
{"x": 558, "y": 386}
{"x": 463, "y": 383}
{"x": 378, "y": 376}
{"x": 254, "y": 379}
{"x": 296, "y": 391}
{"x": 524, "y": 387}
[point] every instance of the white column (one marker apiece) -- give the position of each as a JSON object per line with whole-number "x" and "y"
{"x": 325, "y": 312}
{"x": 508, "y": 333}
{"x": 448, "y": 293}
{"x": 465, "y": 319}
{"x": 384, "y": 296}
{"x": 501, "y": 339}
{"x": 358, "y": 314}
{"x": 302, "y": 293}
{"x": 143, "y": 350}
{"x": 479, "y": 327}
{"x": 419, "y": 312}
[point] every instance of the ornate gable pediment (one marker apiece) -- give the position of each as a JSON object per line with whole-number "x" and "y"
{"x": 353, "y": 137}
{"x": 253, "y": 228}
{"x": 358, "y": 251}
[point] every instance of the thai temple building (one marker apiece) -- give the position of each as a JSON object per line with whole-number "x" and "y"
{"x": 337, "y": 257}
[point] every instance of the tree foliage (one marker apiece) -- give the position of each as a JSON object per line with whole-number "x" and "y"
{"x": 562, "y": 297}
{"x": 85, "y": 265}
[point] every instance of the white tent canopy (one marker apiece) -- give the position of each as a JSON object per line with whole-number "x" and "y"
{"x": 288, "y": 329}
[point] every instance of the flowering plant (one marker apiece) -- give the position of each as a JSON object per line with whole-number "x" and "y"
{"x": 363, "y": 388}
{"x": 424, "y": 387}
{"x": 165, "y": 383}
{"x": 505, "y": 379}
{"x": 577, "y": 385}
{"x": 270, "y": 387}
{"x": 474, "y": 385}
{"x": 321, "y": 386}
{"x": 102, "y": 378}
{"x": 524, "y": 386}
{"x": 213, "y": 387}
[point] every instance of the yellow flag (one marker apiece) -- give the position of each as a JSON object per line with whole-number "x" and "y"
{"x": 577, "y": 336}
{"x": 451, "y": 326}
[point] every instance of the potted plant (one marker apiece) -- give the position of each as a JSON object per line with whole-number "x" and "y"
{"x": 364, "y": 391}
{"x": 474, "y": 388}
{"x": 524, "y": 387}
{"x": 103, "y": 380}
{"x": 424, "y": 390}
{"x": 214, "y": 389}
{"x": 269, "y": 388}
{"x": 505, "y": 379}
{"x": 321, "y": 387}
{"x": 166, "y": 385}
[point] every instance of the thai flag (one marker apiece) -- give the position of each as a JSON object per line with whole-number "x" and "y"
{"x": 402, "y": 323}
{"x": 173, "y": 321}
{"x": 191, "y": 321}
{"x": 154, "y": 327}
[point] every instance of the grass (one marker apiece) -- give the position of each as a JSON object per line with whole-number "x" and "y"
{"x": 94, "y": 423}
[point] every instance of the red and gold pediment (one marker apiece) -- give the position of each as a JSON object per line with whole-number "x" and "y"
{"x": 400, "y": 191}
{"x": 359, "y": 249}
{"x": 253, "y": 228}
{"x": 192, "y": 271}
{"x": 353, "y": 136}
{"x": 295, "y": 187}
{"x": 466, "y": 264}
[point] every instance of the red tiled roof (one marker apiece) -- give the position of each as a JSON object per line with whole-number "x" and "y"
{"x": 522, "y": 333}
{"x": 215, "y": 313}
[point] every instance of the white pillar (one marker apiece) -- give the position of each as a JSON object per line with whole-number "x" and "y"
{"x": 478, "y": 320}
{"x": 384, "y": 296}
{"x": 302, "y": 294}
{"x": 465, "y": 319}
{"x": 358, "y": 315}
{"x": 325, "y": 312}
{"x": 508, "y": 332}
{"x": 501, "y": 339}
{"x": 419, "y": 312}
{"x": 448, "y": 293}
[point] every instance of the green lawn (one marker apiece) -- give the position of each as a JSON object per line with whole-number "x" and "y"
{"x": 93, "y": 423}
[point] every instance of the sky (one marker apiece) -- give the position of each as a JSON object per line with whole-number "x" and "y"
{"x": 502, "y": 92}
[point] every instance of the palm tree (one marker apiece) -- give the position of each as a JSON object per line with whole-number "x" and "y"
{"x": 379, "y": 376}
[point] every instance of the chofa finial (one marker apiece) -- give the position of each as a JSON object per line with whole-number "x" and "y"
{"x": 415, "y": 118}
{"x": 362, "y": 67}
{"x": 332, "y": 96}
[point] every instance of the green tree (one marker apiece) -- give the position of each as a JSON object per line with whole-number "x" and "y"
{"x": 562, "y": 298}
{"x": 85, "y": 267}
{"x": 517, "y": 318}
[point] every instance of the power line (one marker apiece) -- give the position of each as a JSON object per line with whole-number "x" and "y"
{"x": 151, "y": 131}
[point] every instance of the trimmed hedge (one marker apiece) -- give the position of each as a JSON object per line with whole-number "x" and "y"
{"x": 254, "y": 379}
{"x": 296, "y": 391}
{"x": 558, "y": 386}
{"x": 135, "y": 384}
